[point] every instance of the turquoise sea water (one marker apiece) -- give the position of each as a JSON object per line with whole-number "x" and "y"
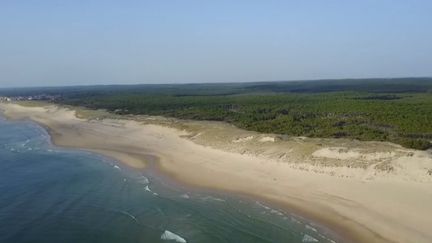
{"x": 49, "y": 194}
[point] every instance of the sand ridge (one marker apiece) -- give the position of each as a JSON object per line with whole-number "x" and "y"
{"x": 370, "y": 191}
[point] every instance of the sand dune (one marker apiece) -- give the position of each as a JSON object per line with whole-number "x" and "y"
{"x": 365, "y": 191}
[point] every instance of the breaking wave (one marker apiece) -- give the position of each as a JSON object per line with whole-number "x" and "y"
{"x": 308, "y": 238}
{"x": 168, "y": 235}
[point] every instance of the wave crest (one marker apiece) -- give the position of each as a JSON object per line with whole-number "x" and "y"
{"x": 168, "y": 235}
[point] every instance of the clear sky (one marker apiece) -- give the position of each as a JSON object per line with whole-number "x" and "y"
{"x": 62, "y": 42}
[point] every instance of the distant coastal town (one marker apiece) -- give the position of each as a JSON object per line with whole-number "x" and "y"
{"x": 39, "y": 97}
{"x": 5, "y": 99}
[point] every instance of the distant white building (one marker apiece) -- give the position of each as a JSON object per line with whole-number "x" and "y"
{"x": 5, "y": 99}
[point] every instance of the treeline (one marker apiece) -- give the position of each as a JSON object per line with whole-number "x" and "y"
{"x": 402, "y": 117}
{"x": 396, "y": 110}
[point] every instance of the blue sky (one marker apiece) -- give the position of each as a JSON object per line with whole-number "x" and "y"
{"x": 59, "y": 42}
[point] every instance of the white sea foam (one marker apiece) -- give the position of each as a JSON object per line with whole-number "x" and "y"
{"x": 147, "y": 188}
{"x": 326, "y": 238}
{"x": 185, "y": 196}
{"x": 311, "y": 228}
{"x": 143, "y": 180}
{"x": 168, "y": 235}
{"x": 129, "y": 215}
{"x": 25, "y": 143}
{"x": 271, "y": 210}
{"x": 293, "y": 219}
{"x": 213, "y": 199}
{"x": 263, "y": 206}
{"x": 308, "y": 238}
{"x": 274, "y": 211}
{"x": 116, "y": 167}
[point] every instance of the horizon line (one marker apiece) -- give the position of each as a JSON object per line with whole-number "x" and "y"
{"x": 222, "y": 82}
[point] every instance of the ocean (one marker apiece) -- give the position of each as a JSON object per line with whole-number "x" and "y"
{"x": 51, "y": 194}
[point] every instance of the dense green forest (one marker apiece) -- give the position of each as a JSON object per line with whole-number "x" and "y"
{"x": 396, "y": 110}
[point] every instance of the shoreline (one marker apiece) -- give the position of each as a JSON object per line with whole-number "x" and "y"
{"x": 153, "y": 169}
{"x": 243, "y": 174}
{"x": 329, "y": 228}
{"x": 339, "y": 232}
{"x": 153, "y": 166}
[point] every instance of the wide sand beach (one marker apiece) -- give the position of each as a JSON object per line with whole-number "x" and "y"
{"x": 364, "y": 191}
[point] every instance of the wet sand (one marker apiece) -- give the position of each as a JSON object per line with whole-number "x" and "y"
{"x": 366, "y": 192}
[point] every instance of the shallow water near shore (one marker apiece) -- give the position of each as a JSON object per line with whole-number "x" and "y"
{"x": 51, "y": 194}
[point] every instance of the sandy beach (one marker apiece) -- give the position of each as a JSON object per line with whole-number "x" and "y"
{"x": 364, "y": 191}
